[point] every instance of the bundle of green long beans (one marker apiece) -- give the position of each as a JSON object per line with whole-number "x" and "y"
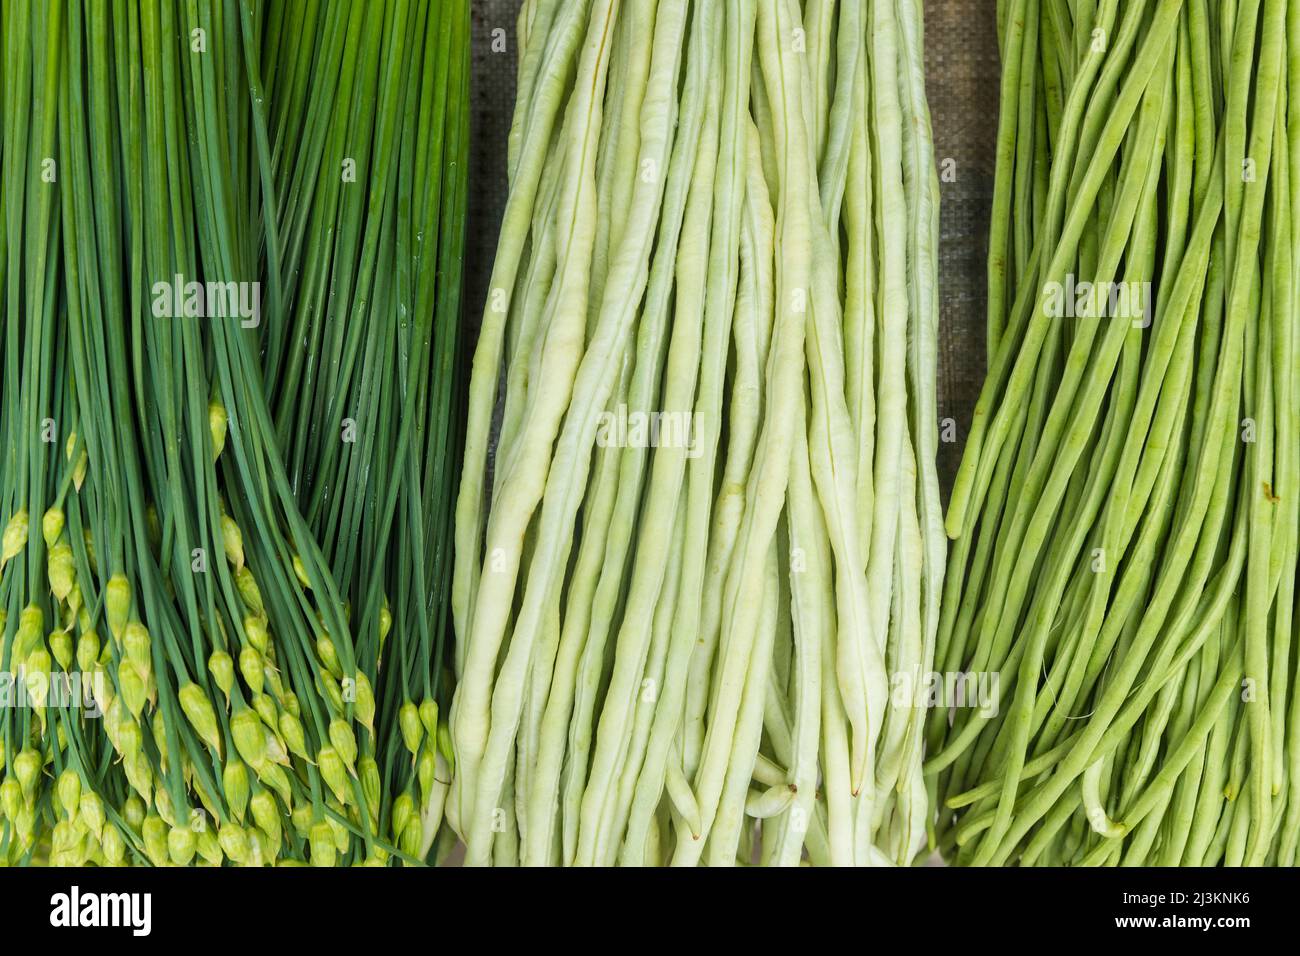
{"x": 1125, "y": 517}
{"x": 230, "y": 274}
{"x": 708, "y": 545}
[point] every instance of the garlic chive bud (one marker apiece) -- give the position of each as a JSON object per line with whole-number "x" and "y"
{"x": 254, "y": 857}
{"x": 222, "y": 669}
{"x": 255, "y": 631}
{"x": 39, "y": 661}
{"x": 25, "y": 825}
{"x": 270, "y": 848}
{"x": 426, "y": 770}
{"x": 91, "y": 811}
{"x": 181, "y": 844}
{"x": 250, "y": 665}
{"x": 87, "y": 651}
{"x": 162, "y": 804}
{"x": 332, "y": 772}
{"x": 37, "y": 668}
{"x": 290, "y": 703}
{"x": 300, "y": 818}
{"x": 323, "y": 850}
{"x": 139, "y": 774}
{"x": 232, "y": 540}
{"x": 155, "y": 836}
{"x": 60, "y": 570}
{"x": 74, "y": 602}
{"x": 300, "y": 572}
{"x": 133, "y": 812}
{"x": 79, "y": 469}
{"x": 342, "y": 839}
{"x": 27, "y": 768}
{"x": 271, "y": 678}
{"x": 329, "y": 656}
{"x": 31, "y": 626}
{"x": 208, "y": 846}
{"x": 246, "y": 585}
{"x": 62, "y": 839}
{"x": 329, "y": 688}
{"x": 275, "y": 777}
{"x": 344, "y": 741}
{"x": 113, "y": 845}
{"x": 364, "y": 705}
{"x": 429, "y": 717}
{"x": 217, "y": 421}
{"x": 412, "y": 838}
{"x": 202, "y": 717}
{"x": 117, "y": 604}
{"x": 14, "y": 538}
{"x": 68, "y": 791}
{"x": 129, "y": 737}
{"x": 137, "y": 647}
{"x": 267, "y": 814}
{"x": 408, "y": 718}
{"x": 403, "y": 813}
{"x": 52, "y": 526}
{"x": 294, "y": 736}
{"x": 108, "y": 701}
{"x": 234, "y": 842}
{"x": 266, "y": 709}
{"x": 250, "y": 739}
{"x": 368, "y": 773}
{"x": 385, "y": 622}
{"x": 134, "y": 692}
{"x": 61, "y": 646}
{"x": 234, "y": 781}
{"x": 11, "y": 797}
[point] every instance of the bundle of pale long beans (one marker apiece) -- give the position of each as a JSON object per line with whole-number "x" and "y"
{"x": 699, "y": 539}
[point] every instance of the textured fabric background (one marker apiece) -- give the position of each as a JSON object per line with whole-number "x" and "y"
{"x": 962, "y": 79}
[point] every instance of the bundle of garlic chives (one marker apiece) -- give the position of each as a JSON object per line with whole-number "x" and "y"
{"x": 1125, "y": 515}
{"x": 222, "y": 584}
{"x": 708, "y": 542}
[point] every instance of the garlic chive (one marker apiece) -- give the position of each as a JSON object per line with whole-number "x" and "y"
{"x": 222, "y": 669}
{"x": 14, "y": 538}
{"x": 202, "y": 716}
{"x": 234, "y": 782}
{"x": 217, "y": 421}
{"x": 117, "y": 604}
{"x": 333, "y": 772}
{"x": 409, "y": 720}
{"x": 52, "y": 523}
